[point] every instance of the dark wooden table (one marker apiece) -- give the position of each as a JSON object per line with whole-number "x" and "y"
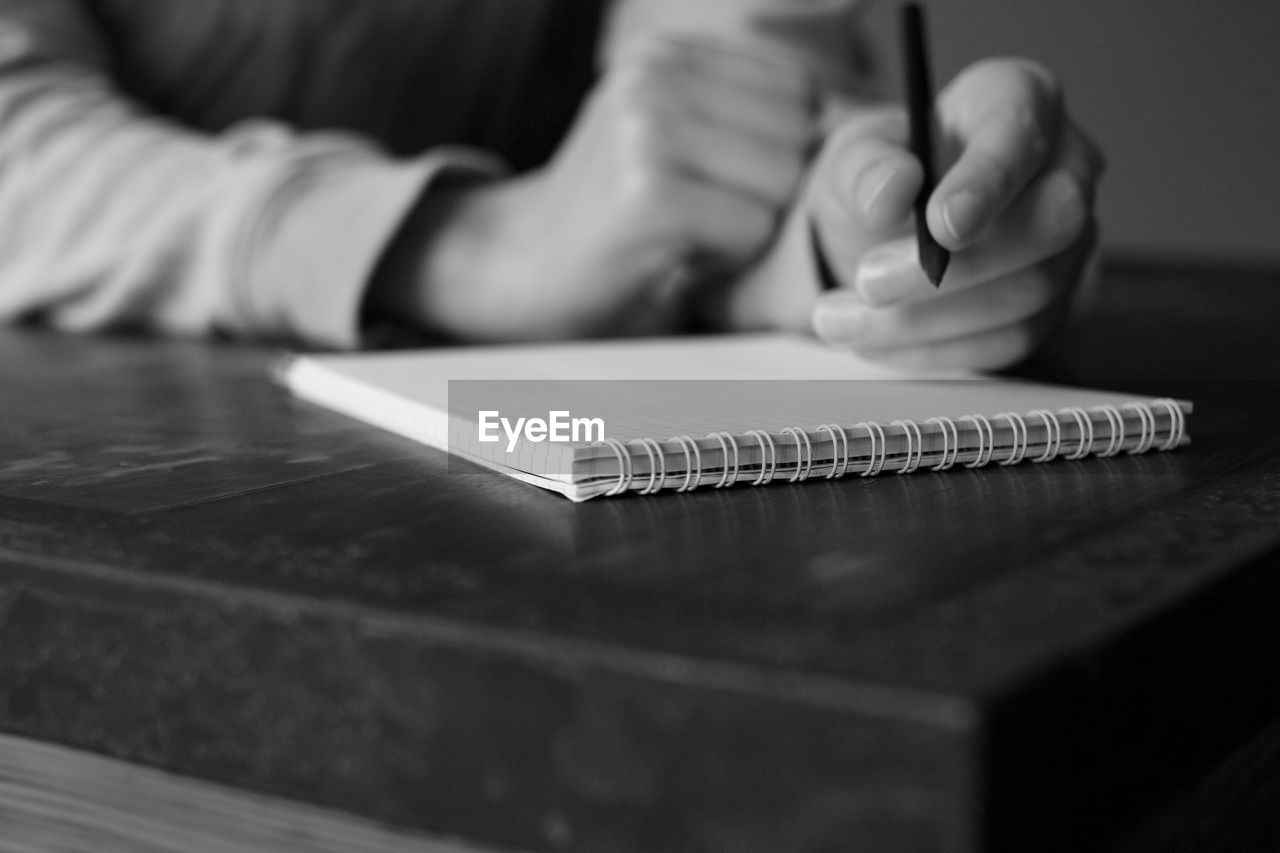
{"x": 202, "y": 575}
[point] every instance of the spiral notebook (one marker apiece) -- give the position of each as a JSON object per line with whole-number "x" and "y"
{"x": 610, "y": 418}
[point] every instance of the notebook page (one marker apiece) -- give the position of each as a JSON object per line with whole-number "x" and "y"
{"x": 408, "y": 391}
{"x": 642, "y": 409}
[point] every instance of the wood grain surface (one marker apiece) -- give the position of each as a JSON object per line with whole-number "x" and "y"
{"x": 199, "y": 573}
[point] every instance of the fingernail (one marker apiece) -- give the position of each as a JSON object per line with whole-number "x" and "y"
{"x": 962, "y": 214}
{"x": 872, "y": 186}
{"x": 880, "y": 275}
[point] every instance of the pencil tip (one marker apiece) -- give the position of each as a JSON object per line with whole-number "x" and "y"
{"x": 935, "y": 264}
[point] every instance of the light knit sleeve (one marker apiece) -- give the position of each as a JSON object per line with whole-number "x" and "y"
{"x": 111, "y": 215}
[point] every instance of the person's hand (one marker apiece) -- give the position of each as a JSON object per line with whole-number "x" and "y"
{"x": 1015, "y": 208}
{"x": 687, "y": 155}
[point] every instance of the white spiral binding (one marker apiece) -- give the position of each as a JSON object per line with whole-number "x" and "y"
{"x": 726, "y": 440}
{"x": 1052, "y": 435}
{"x": 692, "y": 463}
{"x": 879, "y": 454}
{"x": 657, "y": 465}
{"x": 1147, "y": 420}
{"x": 1116, "y": 421}
{"x": 915, "y": 446}
{"x": 950, "y": 443}
{"x": 986, "y": 440}
{"x": 804, "y": 458}
{"x": 1018, "y": 428}
{"x": 838, "y": 467}
{"x": 1085, "y": 425}
{"x": 625, "y": 473}
{"x": 914, "y": 453}
{"x": 1177, "y": 423}
{"x": 768, "y": 457}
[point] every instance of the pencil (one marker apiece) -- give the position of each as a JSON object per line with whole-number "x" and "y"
{"x": 919, "y": 91}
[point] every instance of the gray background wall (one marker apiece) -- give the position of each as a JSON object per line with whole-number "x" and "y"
{"x": 1184, "y": 96}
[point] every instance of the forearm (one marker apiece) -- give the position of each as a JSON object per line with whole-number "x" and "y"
{"x": 683, "y": 158}
{"x": 111, "y": 215}
{"x": 427, "y": 278}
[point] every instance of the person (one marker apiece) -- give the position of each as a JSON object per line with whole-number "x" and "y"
{"x": 482, "y": 170}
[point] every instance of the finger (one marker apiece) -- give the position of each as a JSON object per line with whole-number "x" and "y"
{"x": 1049, "y": 216}
{"x": 659, "y": 86}
{"x": 975, "y": 336}
{"x": 785, "y": 122}
{"x": 989, "y": 350}
{"x": 1004, "y": 116}
{"x": 769, "y": 74}
{"x": 761, "y": 172}
{"x": 863, "y": 188}
{"x": 682, "y": 58}
{"x": 710, "y": 221}
{"x": 844, "y": 319}
{"x": 1081, "y": 157}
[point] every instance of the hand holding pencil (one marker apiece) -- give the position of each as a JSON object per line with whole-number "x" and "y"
{"x": 1013, "y": 208}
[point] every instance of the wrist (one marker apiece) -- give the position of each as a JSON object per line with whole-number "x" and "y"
{"x": 431, "y": 260}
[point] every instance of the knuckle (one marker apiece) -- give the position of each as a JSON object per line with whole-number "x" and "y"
{"x": 872, "y": 123}
{"x": 1028, "y": 127}
{"x": 651, "y": 78}
{"x": 643, "y": 139}
{"x": 637, "y": 88}
{"x": 992, "y": 172}
{"x": 645, "y": 197}
{"x": 655, "y": 189}
{"x": 1041, "y": 83}
{"x": 657, "y": 53}
{"x": 1030, "y": 101}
